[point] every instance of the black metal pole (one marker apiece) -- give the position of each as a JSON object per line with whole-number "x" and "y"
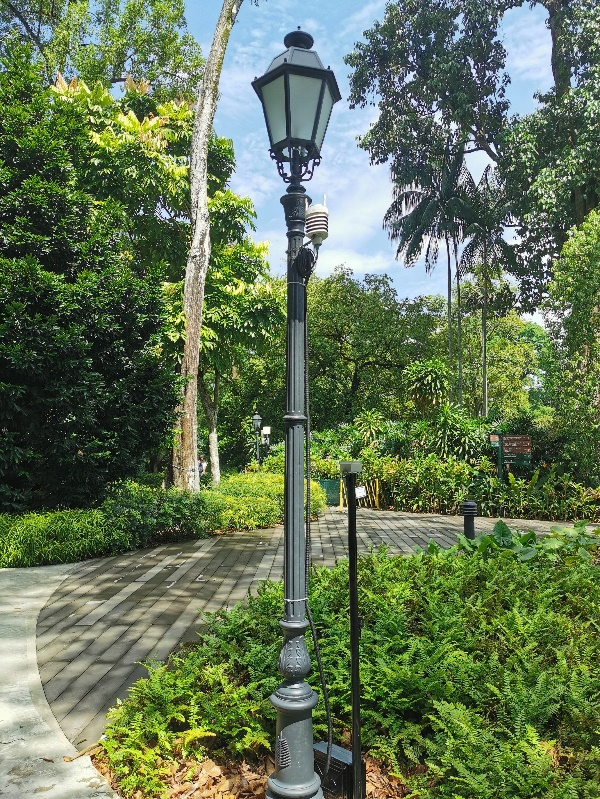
{"x": 258, "y": 447}
{"x": 294, "y": 776}
{"x": 355, "y": 629}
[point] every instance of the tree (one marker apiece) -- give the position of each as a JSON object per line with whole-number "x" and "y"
{"x": 486, "y": 254}
{"x": 439, "y": 69}
{"x": 361, "y": 338}
{"x": 138, "y": 160}
{"x": 85, "y": 392}
{"x": 185, "y": 450}
{"x": 109, "y": 40}
{"x": 512, "y": 365}
{"x": 427, "y": 212}
{"x": 427, "y": 384}
{"x": 573, "y": 317}
{"x": 243, "y": 307}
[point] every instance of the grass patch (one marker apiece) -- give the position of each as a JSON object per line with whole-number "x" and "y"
{"x": 479, "y": 669}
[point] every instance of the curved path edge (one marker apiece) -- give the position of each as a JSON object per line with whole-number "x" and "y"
{"x": 32, "y": 744}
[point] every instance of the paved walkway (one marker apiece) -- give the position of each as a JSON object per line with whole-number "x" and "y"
{"x": 97, "y": 620}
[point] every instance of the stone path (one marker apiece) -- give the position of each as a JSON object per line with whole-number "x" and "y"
{"x": 108, "y": 615}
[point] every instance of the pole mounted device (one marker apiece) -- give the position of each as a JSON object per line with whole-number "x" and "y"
{"x": 297, "y": 95}
{"x": 349, "y": 470}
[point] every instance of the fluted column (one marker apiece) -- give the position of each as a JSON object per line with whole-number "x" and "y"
{"x": 294, "y": 776}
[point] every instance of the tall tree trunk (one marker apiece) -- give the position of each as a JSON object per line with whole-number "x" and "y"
{"x": 185, "y": 448}
{"x": 458, "y": 328}
{"x": 449, "y": 306}
{"x": 210, "y": 406}
{"x": 484, "y": 332}
{"x": 559, "y": 33}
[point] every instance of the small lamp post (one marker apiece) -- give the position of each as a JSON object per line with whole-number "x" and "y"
{"x": 256, "y": 423}
{"x": 297, "y": 95}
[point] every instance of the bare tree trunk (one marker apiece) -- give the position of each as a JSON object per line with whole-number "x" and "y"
{"x": 458, "y": 329}
{"x": 185, "y": 448}
{"x": 210, "y": 406}
{"x": 560, "y": 58}
{"x": 484, "y": 331}
{"x": 449, "y": 311}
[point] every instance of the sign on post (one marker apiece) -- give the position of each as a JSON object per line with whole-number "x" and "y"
{"x": 511, "y": 450}
{"x": 517, "y": 450}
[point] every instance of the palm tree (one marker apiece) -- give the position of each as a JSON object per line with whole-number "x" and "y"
{"x": 486, "y": 216}
{"x": 429, "y": 211}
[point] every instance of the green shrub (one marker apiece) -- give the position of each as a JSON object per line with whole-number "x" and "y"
{"x": 431, "y": 484}
{"x": 37, "y": 539}
{"x": 134, "y": 516}
{"x": 479, "y": 677}
{"x": 266, "y": 486}
{"x": 149, "y": 514}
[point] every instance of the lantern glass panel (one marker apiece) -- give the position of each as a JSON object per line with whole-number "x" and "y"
{"x": 273, "y": 95}
{"x": 304, "y": 104}
{"x": 324, "y": 118}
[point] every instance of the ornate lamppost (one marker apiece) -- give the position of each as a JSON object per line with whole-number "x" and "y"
{"x": 256, "y": 423}
{"x": 297, "y": 95}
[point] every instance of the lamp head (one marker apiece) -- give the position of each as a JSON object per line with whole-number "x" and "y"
{"x": 297, "y": 94}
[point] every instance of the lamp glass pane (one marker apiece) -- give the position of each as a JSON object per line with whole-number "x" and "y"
{"x": 324, "y": 118}
{"x": 304, "y": 101}
{"x": 273, "y": 95}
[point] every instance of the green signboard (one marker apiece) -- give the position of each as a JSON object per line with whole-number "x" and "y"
{"x": 512, "y": 450}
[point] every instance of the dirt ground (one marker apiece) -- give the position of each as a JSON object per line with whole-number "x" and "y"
{"x": 209, "y": 780}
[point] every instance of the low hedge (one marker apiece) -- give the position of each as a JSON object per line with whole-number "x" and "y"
{"x": 134, "y": 516}
{"x": 38, "y": 539}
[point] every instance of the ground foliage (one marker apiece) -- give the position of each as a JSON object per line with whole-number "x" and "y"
{"x": 191, "y": 779}
{"x": 134, "y": 515}
{"x": 483, "y": 685}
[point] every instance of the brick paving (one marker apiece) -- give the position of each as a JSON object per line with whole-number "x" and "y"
{"x": 112, "y": 613}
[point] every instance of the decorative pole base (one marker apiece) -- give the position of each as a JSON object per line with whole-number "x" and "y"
{"x": 294, "y": 776}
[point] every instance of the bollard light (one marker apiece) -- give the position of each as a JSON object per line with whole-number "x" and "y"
{"x": 468, "y": 508}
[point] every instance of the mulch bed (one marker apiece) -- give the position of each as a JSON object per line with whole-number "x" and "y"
{"x": 209, "y": 780}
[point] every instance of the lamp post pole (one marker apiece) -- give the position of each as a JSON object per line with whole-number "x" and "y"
{"x": 297, "y": 94}
{"x": 294, "y": 774}
{"x": 256, "y": 423}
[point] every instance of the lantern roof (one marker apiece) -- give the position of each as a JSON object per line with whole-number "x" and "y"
{"x": 299, "y": 54}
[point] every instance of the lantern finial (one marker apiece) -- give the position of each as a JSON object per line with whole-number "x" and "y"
{"x": 299, "y": 39}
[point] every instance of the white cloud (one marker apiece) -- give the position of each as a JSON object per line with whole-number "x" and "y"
{"x": 528, "y": 45}
{"x": 355, "y": 24}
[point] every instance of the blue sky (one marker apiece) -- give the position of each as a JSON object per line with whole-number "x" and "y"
{"x": 357, "y": 194}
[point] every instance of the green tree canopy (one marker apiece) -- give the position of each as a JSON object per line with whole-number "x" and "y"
{"x": 574, "y": 324}
{"x": 86, "y": 393}
{"x": 436, "y": 70}
{"x": 361, "y": 339}
{"x": 109, "y": 40}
